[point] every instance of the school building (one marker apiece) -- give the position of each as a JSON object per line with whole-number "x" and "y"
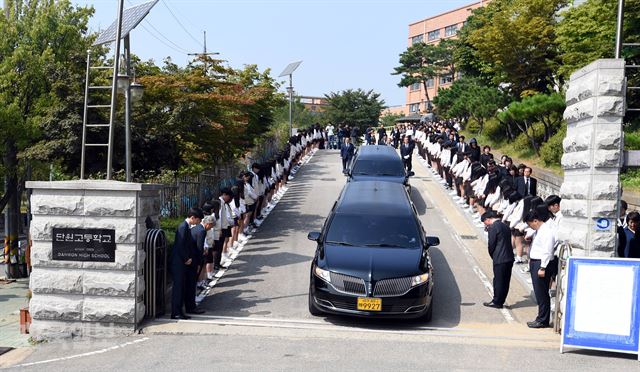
{"x": 431, "y": 31}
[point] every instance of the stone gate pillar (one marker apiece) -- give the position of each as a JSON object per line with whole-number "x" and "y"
{"x": 593, "y": 157}
{"x": 88, "y": 256}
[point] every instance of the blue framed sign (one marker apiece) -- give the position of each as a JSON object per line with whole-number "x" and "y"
{"x": 602, "y": 310}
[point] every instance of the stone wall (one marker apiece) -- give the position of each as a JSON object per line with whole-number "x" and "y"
{"x": 592, "y": 157}
{"x": 80, "y": 298}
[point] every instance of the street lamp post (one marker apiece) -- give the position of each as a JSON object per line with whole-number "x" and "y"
{"x": 619, "y": 29}
{"x": 288, "y": 71}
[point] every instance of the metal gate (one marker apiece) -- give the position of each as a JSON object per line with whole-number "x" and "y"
{"x": 155, "y": 273}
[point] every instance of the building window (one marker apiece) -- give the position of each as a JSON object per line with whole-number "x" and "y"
{"x": 446, "y": 79}
{"x": 417, "y": 39}
{"x": 450, "y": 30}
{"x": 414, "y": 107}
{"x": 433, "y": 35}
{"x": 415, "y": 86}
{"x": 430, "y": 83}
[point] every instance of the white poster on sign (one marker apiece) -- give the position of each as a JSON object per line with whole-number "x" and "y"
{"x": 604, "y": 297}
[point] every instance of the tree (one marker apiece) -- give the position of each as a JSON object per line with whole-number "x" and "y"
{"x": 41, "y": 42}
{"x": 517, "y": 44}
{"x": 389, "y": 119}
{"x": 354, "y": 107}
{"x": 423, "y": 62}
{"x": 465, "y": 55}
{"x": 588, "y": 32}
{"x": 469, "y": 98}
{"x": 541, "y": 109}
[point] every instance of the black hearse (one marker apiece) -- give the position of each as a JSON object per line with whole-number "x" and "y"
{"x": 372, "y": 257}
{"x": 379, "y": 163}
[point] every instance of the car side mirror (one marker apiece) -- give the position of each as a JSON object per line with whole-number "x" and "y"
{"x": 433, "y": 241}
{"x": 314, "y": 235}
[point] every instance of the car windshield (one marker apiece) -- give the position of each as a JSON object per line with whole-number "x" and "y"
{"x": 373, "y": 231}
{"x": 378, "y": 168}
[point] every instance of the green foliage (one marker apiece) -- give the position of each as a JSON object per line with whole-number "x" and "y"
{"x": 389, "y": 119}
{"x": 494, "y": 130}
{"x": 631, "y": 179}
{"x": 586, "y": 33}
{"x": 469, "y": 98}
{"x": 537, "y": 117}
{"x": 632, "y": 140}
{"x": 552, "y": 150}
{"x": 422, "y": 62}
{"x": 354, "y": 107}
{"x": 170, "y": 225}
{"x": 516, "y": 43}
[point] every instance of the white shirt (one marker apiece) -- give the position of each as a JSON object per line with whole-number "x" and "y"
{"x": 330, "y": 130}
{"x": 543, "y": 244}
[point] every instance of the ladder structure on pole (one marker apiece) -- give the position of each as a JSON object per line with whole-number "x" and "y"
{"x": 91, "y": 105}
{"x": 103, "y": 129}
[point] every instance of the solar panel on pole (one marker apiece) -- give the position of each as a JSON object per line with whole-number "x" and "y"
{"x": 290, "y": 68}
{"x": 130, "y": 19}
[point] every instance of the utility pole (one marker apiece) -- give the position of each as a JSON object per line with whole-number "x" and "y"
{"x": 204, "y": 53}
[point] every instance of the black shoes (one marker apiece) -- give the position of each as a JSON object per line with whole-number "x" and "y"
{"x": 492, "y": 304}
{"x": 181, "y": 316}
{"x": 536, "y": 324}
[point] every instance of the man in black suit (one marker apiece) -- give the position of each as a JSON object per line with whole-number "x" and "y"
{"x": 347, "y": 150}
{"x": 199, "y": 234}
{"x": 501, "y": 252}
{"x": 182, "y": 256}
{"x": 527, "y": 185}
{"x": 406, "y": 151}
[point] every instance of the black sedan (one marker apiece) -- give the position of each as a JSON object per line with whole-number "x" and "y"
{"x": 372, "y": 257}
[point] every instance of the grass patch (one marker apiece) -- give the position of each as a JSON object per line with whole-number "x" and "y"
{"x": 631, "y": 180}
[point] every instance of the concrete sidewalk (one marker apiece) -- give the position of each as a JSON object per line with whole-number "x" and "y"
{"x": 13, "y": 296}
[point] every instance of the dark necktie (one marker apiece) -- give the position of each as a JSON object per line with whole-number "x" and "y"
{"x": 526, "y": 186}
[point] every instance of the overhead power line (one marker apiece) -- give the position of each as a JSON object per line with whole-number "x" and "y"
{"x": 180, "y": 23}
{"x": 166, "y": 42}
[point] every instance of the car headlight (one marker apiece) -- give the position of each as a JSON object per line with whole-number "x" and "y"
{"x": 322, "y": 274}
{"x": 417, "y": 280}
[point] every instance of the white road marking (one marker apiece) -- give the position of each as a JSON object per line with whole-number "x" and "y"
{"x": 455, "y": 332}
{"x": 101, "y": 351}
{"x": 472, "y": 261}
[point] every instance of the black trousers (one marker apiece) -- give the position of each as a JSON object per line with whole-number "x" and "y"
{"x": 190, "y": 283}
{"x": 407, "y": 164}
{"x": 501, "y": 280}
{"x": 448, "y": 177}
{"x": 344, "y": 165}
{"x": 218, "y": 246}
{"x": 541, "y": 288}
{"x": 259, "y": 205}
{"x": 177, "y": 293}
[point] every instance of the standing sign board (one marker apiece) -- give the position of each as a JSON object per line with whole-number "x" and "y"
{"x": 602, "y": 310}
{"x": 97, "y": 245}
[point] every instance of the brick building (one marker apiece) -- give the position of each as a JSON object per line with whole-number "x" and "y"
{"x": 314, "y": 104}
{"x": 431, "y": 30}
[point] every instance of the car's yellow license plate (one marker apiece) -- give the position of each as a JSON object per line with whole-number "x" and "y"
{"x": 369, "y": 304}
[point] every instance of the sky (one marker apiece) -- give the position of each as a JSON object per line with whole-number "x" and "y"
{"x": 344, "y": 44}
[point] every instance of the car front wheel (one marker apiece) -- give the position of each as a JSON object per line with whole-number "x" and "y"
{"x": 313, "y": 310}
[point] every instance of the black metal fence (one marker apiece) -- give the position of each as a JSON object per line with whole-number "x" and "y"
{"x": 191, "y": 191}
{"x": 155, "y": 273}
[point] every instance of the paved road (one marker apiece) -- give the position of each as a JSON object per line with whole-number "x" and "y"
{"x": 258, "y": 320}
